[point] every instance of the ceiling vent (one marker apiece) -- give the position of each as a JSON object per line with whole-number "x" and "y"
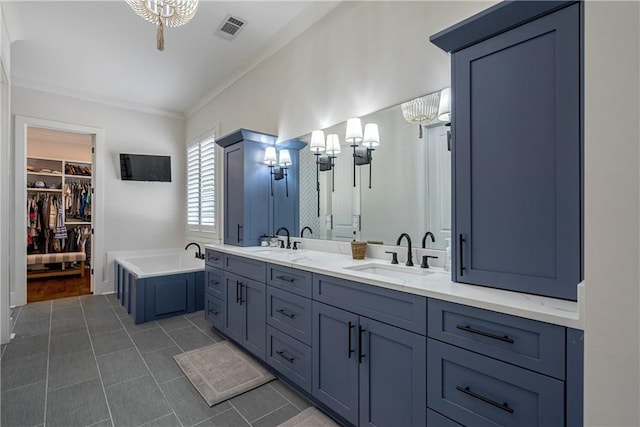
{"x": 230, "y": 27}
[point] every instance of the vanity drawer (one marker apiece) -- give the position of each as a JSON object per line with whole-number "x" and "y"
{"x": 289, "y": 313}
{"x": 435, "y": 419}
{"x": 476, "y": 390}
{"x": 396, "y": 308}
{"x": 214, "y": 282}
{"x": 213, "y": 258}
{"x": 246, "y": 267}
{"x": 289, "y": 279}
{"x": 289, "y": 357}
{"x": 528, "y": 343}
{"x": 214, "y": 311}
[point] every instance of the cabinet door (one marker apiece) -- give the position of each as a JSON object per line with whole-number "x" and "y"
{"x": 517, "y": 158}
{"x": 393, "y": 376}
{"x": 234, "y": 194}
{"x": 253, "y": 301}
{"x": 234, "y": 311}
{"x": 335, "y": 360}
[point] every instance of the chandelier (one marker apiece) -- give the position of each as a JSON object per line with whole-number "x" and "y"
{"x": 421, "y": 109}
{"x": 169, "y": 13}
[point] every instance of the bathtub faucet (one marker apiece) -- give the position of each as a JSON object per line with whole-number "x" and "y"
{"x": 199, "y": 254}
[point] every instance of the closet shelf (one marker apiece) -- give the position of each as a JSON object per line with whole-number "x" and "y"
{"x": 77, "y": 223}
{"x": 44, "y": 190}
{"x": 59, "y": 175}
{"x": 78, "y": 176}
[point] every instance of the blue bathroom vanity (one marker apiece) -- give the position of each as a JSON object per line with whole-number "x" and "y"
{"x": 371, "y": 354}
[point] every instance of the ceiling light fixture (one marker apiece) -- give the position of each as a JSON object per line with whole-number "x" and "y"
{"x": 421, "y": 109}
{"x": 164, "y": 13}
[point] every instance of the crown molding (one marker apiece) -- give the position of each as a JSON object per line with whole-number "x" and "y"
{"x": 84, "y": 96}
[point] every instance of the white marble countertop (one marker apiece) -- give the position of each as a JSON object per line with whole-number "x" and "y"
{"x": 436, "y": 284}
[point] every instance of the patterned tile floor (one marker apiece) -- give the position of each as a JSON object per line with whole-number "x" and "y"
{"x": 81, "y": 361}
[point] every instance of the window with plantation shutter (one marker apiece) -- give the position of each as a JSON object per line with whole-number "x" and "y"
{"x": 201, "y": 187}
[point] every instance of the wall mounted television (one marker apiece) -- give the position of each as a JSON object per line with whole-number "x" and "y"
{"x": 142, "y": 167}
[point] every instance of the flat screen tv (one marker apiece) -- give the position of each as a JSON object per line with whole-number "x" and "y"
{"x": 141, "y": 167}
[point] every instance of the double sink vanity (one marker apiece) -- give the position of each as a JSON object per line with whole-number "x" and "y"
{"x": 378, "y": 344}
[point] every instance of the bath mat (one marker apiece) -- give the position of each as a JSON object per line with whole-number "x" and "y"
{"x": 310, "y": 417}
{"x": 221, "y": 371}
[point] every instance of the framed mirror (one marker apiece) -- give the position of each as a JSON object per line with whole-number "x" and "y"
{"x": 404, "y": 185}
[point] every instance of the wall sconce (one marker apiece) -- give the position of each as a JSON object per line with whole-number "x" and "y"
{"x": 444, "y": 111}
{"x": 317, "y": 147}
{"x": 370, "y": 140}
{"x": 333, "y": 149}
{"x": 277, "y": 172}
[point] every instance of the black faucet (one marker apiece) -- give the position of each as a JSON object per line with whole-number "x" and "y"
{"x": 306, "y": 228}
{"x": 288, "y": 237}
{"x": 409, "y": 256}
{"x": 199, "y": 254}
{"x": 424, "y": 239}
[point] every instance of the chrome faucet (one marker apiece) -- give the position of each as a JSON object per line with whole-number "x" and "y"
{"x": 199, "y": 254}
{"x": 409, "y": 256}
{"x": 288, "y": 237}
{"x": 306, "y": 228}
{"x": 424, "y": 239}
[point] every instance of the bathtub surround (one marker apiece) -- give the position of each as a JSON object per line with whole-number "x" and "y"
{"x": 158, "y": 286}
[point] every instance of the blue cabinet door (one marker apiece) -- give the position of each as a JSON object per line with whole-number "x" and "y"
{"x": 234, "y": 194}
{"x": 253, "y": 302}
{"x": 393, "y": 375}
{"x": 517, "y": 158}
{"x": 335, "y": 360}
{"x": 233, "y": 310}
{"x": 575, "y": 377}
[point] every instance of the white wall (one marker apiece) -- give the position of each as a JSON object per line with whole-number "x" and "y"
{"x": 5, "y": 180}
{"x": 365, "y": 56}
{"x": 137, "y": 215}
{"x": 612, "y": 178}
{"x": 361, "y": 57}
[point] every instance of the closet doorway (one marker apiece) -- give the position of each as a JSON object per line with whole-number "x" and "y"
{"x": 59, "y": 213}
{"x": 56, "y": 236}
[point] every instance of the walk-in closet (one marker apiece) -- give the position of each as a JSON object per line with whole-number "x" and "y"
{"x": 59, "y": 213}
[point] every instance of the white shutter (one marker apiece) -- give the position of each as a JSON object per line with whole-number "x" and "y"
{"x": 201, "y": 187}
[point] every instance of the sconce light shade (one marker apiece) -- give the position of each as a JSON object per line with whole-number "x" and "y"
{"x": 444, "y": 110}
{"x": 317, "y": 141}
{"x": 270, "y": 156}
{"x": 371, "y": 135}
{"x": 285, "y": 158}
{"x": 354, "y": 131}
{"x": 333, "y": 145}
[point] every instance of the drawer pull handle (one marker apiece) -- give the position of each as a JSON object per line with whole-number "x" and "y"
{"x": 213, "y": 258}
{"x": 286, "y": 278}
{"x": 461, "y": 240}
{"x": 215, "y": 313}
{"x": 284, "y": 313}
{"x": 468, "y": 328}
{"x": 503, "y": 406}
{"x": 285, "y": 357}
{"x": 360, "y": 353}
{"x": 214, "y": 282}
{"x": 349, "y": 350}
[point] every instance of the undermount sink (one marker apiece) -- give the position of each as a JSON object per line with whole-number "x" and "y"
{"x": 276, "y": 251}
{"x": 395, "y": 271}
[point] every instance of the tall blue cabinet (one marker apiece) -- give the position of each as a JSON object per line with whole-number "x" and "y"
{"x": 517, "y": 150}
{"x": 250, "y": 208}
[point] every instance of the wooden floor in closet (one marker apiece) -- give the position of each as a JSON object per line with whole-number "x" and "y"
{"x": 49, "y": 288}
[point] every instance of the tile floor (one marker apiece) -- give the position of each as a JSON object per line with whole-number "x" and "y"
{"x": 81, "y": 361}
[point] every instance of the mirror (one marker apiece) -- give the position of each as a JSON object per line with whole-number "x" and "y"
{"x": 410, "y": 185}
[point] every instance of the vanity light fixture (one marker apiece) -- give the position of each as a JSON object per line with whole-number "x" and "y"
{"x": 333, "y": 149}
{"x": 370, "y": 140}
{"x": 277, "y": 172}
{"x": 164, "y": 13}
{"x": 444, "y": 112}
{"x": 354, "y": 137}
{"x": 317, "y": 147}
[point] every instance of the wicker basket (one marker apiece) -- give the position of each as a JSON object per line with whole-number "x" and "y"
{"x": 358, "y": 249}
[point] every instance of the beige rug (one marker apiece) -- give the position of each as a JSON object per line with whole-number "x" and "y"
{"x": 221, "y": 371}
{"x": 310, "y": 417}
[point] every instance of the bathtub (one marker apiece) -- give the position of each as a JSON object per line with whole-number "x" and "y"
{"x": 155, "y": 285}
